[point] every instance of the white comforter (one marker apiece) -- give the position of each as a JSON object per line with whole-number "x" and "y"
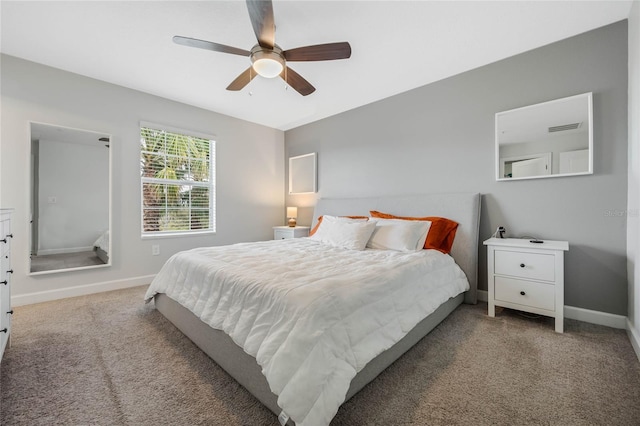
{"x": 311, "y": 315}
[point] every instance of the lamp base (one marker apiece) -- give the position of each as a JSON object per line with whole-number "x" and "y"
{"x": 292, "y": 222}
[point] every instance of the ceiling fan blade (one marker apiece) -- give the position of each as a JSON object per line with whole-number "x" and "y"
{"x": 209, "y": 45}
{"x": 296, "y": 81}
{"x": 319, "y": 52}
{"x": 242, "y": 80}
{"x": 261, "y": 15}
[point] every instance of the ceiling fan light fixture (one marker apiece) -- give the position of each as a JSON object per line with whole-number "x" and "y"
{"x": 268, "y": 68}
{"x": 267, "y": 63}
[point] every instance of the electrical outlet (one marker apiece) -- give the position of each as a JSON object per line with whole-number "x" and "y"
{"x": 155, "y": 249}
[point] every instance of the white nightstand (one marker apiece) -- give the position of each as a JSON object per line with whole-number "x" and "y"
{"x": 527, "y": 276}
{"x": 284, "y": 232}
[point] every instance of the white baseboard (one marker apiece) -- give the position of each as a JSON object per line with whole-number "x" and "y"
{"x": 634, "y": 337}
{"x": 83, "y": 290}
{"x": 580, "y": 314}
{"x": 64, "y": 250}
{"x": 595, "y": 317}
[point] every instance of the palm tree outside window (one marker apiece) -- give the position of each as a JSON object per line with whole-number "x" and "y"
{"x": 177, "y": 179}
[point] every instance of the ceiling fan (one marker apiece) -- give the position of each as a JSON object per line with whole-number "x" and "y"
{"x": 267, "y": 58}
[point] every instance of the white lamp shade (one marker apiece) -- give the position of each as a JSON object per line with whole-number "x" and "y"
{"x": 268, "y": 67}
{"x": 292, "y": 212}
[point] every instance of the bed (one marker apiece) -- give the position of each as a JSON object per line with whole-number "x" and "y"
{"x": 255, "y": 370}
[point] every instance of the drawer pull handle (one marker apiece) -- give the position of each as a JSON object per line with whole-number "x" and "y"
{"x": 10, "y": 271}
{"x": 5, "y": 282}
{"x": 10, "y": 312}
{"x": 522, "y": 265}
{"x": 4, "y": 330}
{"x": 522, "y": 293}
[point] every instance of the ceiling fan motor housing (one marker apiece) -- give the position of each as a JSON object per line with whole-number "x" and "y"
{"x": 267, "y": 62}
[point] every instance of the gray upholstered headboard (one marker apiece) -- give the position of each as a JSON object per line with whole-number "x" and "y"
{"x": 464, "y": 208}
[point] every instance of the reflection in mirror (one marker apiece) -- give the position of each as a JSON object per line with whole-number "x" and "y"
{"x": 302, "y": 174}
{"x": 545, "y": 140}
{"x": 70, "y": 192}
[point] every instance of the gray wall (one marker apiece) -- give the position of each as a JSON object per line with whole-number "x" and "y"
{"x": 440, "y": 138}
{"x": 633, "y": 227}
{"x": 249, "y": 176}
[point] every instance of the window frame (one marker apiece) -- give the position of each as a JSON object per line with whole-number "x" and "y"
{"x": 211, "y": 185}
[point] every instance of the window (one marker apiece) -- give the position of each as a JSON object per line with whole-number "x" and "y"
{"x": 177, "y": 172}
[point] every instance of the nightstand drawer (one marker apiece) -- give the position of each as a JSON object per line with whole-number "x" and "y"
{"x": 282, "y": 234}
{"x": 285, "y": 232}
{"x": 525, "y": 265}
{"x": 526, "y": 293}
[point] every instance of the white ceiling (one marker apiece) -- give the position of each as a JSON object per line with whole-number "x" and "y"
{"x": 396, "y": 45}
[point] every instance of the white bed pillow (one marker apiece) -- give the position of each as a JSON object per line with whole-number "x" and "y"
{"x": 400, "y": 235}
{"x": 342, "y": 232}
{"x": 333, "y": 219}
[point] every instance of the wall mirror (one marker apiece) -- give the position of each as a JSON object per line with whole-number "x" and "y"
{"x": 302, "y": 174}
{"x": 549, "y": 139}
{"x": 70, "y": 199}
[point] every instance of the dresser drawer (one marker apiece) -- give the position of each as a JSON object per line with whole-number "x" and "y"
{"x": 5, "y": 229}
{"x": 5, "y": 305}
{"x": 525, "y": 265}
{"x": 5, "y": 266}
{"x": 536, "y": 295}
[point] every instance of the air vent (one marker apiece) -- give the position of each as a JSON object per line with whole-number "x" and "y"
{"x": 564, "y": 127}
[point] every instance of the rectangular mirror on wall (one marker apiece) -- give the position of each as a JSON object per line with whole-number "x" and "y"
{"x": 302, "y": 174}
{"x": 70, "y": 199}
{"x": 549, "y": 139}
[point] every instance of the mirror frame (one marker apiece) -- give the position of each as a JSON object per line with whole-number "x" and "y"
{"x": 302, "y": 174}
{"x": 30, "y": 199}
{"x": 498, "y": 163}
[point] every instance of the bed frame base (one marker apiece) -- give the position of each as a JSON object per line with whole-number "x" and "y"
{"x": 244, "y": 368}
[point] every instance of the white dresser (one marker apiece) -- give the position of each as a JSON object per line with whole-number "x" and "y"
{"x": 527, "y": 276}
{"x": 285, "y": 232}
{"x": 5, "y": 278}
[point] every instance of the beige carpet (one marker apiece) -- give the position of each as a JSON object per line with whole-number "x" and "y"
{"x": 108, "y": 359}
